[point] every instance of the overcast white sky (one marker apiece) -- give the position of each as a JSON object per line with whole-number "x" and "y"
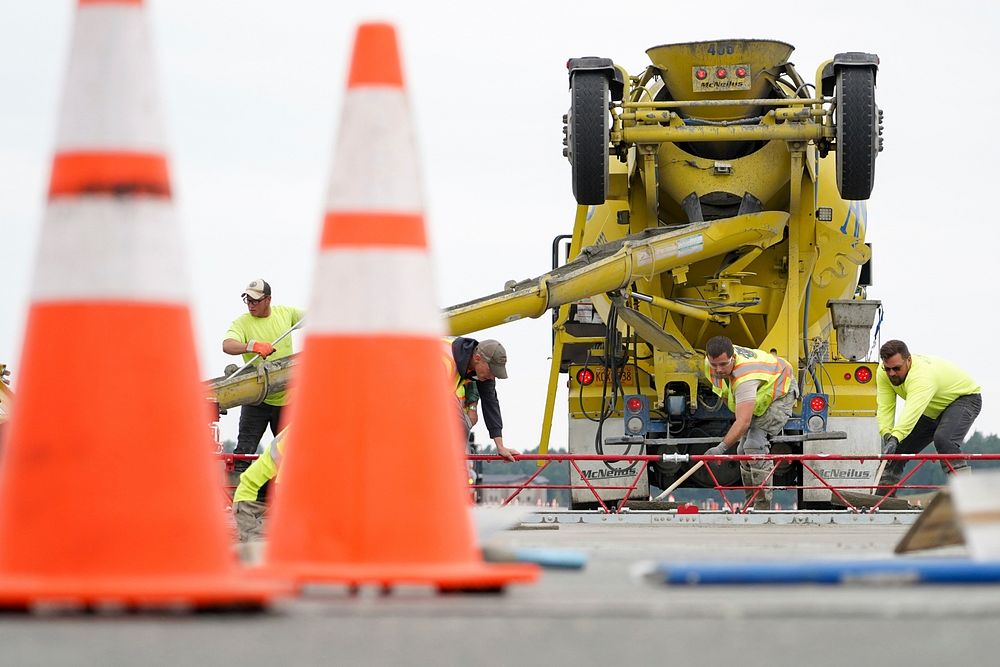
{"x": 252, "y": 92}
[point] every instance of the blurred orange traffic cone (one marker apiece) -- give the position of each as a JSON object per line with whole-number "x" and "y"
{"x": 108, "y": 492}
{"x": 355, "y": 504}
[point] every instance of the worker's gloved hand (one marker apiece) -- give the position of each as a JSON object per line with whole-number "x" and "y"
{"x": 719, "y": 450}
{"x": 262, "y": 348}
{"x": 889, "y": 444}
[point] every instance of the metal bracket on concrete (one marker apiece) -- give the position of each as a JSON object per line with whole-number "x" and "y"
{"x": 641, "y": 517}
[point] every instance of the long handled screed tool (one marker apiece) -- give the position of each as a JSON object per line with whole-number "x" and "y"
{"x": 680, "y": 480}
{"x": 878, "y": 476}
{"x": 276, "y": 341}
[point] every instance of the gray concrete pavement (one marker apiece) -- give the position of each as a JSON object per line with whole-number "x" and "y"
{"x": 598, "y": 616}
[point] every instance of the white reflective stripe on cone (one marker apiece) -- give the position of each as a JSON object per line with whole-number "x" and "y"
{"x": 977, "y": 504}
{"x": 375, "y": 166}
{"x": 374, "y": 291}
{"x": 110, "y": 248}
{"x": 110, "y": 101}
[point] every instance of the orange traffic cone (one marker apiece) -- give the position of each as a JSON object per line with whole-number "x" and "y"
{"x": 108, "y": 491}
{"x": 356, "y": 504}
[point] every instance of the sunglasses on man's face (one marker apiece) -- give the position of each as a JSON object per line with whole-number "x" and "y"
{"x": 252, "y": 302}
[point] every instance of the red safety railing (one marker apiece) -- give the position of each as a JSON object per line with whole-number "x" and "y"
{"x": 805, "y": 459}
{"x": 229, "y": 465}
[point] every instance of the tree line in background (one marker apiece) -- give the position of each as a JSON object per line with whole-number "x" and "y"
{"x": 931, "y": 472}
{"x": 557, "y": 472}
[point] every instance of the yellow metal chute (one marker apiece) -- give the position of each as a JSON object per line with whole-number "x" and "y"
{"x": 614, "y": 266}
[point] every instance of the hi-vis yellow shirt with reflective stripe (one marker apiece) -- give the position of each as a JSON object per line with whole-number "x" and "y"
{"x": 261, "y": 471}
{"x": 773, "y": 373}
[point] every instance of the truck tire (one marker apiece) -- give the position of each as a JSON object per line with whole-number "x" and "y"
{"x": 587, "y": 127}
{"x": 857, "y": 132}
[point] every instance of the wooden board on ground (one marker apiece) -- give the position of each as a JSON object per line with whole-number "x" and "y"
{"x": 869, "y": 500}
{"x": 936, "y": 527}
{"x": 921, "y": 499}
{"x": 654, "y": 505}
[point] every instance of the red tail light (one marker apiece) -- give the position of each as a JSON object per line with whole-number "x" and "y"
{"x": 863, "y": 374}
{"x": 634, "y": 404}
{"x": 585, "y": 376}
{"x": 817, "y": 404}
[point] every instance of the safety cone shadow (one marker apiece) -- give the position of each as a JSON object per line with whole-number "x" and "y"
{"x": 373, "y": 490}
{"x": 108, "y": 490}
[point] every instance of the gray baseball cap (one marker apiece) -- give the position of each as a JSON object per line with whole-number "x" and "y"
{"x": 493, "y": 353}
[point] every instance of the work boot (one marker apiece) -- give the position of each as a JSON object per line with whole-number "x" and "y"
{"x": 753, "y": 474}
{"x": 890, "y": 477}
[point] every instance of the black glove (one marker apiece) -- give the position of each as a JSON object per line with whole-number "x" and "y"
{"x": 889, "y": 444}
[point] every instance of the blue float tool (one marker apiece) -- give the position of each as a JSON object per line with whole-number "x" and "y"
{"x": 882, "y": 572}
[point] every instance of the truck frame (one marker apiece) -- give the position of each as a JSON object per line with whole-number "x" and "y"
{"x": 718, "y": 193}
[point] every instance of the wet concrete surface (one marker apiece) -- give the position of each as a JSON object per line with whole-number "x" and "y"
{"x": 601, "y": 614}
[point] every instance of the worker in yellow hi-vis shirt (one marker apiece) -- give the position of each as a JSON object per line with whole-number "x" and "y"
{"x": 252, "y": 334}
{"x": 248, "y": 510}
{"x": 760, "y": 390}
{"x": 941, "y": 401}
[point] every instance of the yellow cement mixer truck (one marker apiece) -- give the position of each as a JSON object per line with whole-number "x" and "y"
{"x": 719, "y": 192}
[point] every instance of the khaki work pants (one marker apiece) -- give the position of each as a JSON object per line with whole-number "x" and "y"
{"x": 249, "y": 515}
{"x": 755, "y": 441}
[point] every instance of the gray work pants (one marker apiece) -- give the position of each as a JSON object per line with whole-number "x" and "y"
{"x": 755, "y": 441}
{"x": 947, "y": 432}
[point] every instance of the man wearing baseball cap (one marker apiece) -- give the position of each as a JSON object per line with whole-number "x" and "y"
{"x": 252, "y": 335}
{"x": 482, "y": 363}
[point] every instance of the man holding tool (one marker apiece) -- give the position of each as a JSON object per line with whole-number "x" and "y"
{"x": 261, "y": 333}
{"x": 759, "y": 389}
{"x": 940, "y": 403}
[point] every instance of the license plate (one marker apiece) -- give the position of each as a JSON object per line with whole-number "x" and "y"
{"x": 627, "y": 376}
